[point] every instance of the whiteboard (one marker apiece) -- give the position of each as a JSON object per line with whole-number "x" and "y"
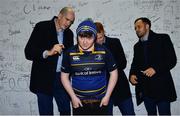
{"x": 18, "y": 17}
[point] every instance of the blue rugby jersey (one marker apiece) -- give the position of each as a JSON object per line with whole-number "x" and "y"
{"x": 88, "y": 71}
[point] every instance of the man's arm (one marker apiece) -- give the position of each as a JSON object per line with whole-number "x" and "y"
{"x": 112, "y": 82}
{"x": 119, "y": 55}
{"x": 33, "y": 49}
{"x": 67, "y": 85}
{"x": 169, "y": 58}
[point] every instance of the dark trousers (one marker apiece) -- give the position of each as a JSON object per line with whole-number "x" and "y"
{"x": 126, "y": 107}
{"x": 45, "y": 102}
{"x": 152, "y": 105}
{"x": 91, "y": 109}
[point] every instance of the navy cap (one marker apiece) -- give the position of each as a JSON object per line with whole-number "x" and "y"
{"x": 87, "y": 26}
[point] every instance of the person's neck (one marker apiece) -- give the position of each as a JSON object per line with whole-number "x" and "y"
{"x": 86, "y": 50}
{"x": 145, "y": 37}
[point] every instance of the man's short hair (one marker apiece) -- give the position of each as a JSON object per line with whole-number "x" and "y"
{"x": 145, "y": 20}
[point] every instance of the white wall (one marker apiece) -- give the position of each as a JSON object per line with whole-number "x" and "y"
{"x": 18, "y": 17}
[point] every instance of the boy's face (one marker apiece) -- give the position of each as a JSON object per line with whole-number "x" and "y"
{"x": 86, "y": 43}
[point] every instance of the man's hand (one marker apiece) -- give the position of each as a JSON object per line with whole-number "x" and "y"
{"x": 104, "y": 101}
{"x": 76, "y": 103}
{"x": 149, "y": 72}
{"x": 133, "y": 79}
{"x": 57, "y": 49}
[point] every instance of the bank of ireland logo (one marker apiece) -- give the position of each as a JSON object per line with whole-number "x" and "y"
{"x": 98, "y": 57}
{"x": 76, "y": 58}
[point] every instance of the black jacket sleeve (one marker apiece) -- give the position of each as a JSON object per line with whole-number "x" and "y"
{"x": 34, "y": 49}
{"x": 169, "y": 58}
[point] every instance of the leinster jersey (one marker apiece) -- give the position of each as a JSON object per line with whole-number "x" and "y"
{"x": 88, "y": 71}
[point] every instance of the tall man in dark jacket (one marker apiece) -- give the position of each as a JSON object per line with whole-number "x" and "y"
{"x": 121, "y": 96}
{"x": 44, "y": 48}
{"x": 154, "y": 57}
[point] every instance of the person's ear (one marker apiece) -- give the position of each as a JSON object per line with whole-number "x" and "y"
{"x": 60, "y": 16}
{"x": 147, "y": 26}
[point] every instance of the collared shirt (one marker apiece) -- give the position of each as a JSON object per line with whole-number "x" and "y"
{"x": 60, "y": 40}
{"x": 144, "y": 41}
{"x": 145, "y": 37}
